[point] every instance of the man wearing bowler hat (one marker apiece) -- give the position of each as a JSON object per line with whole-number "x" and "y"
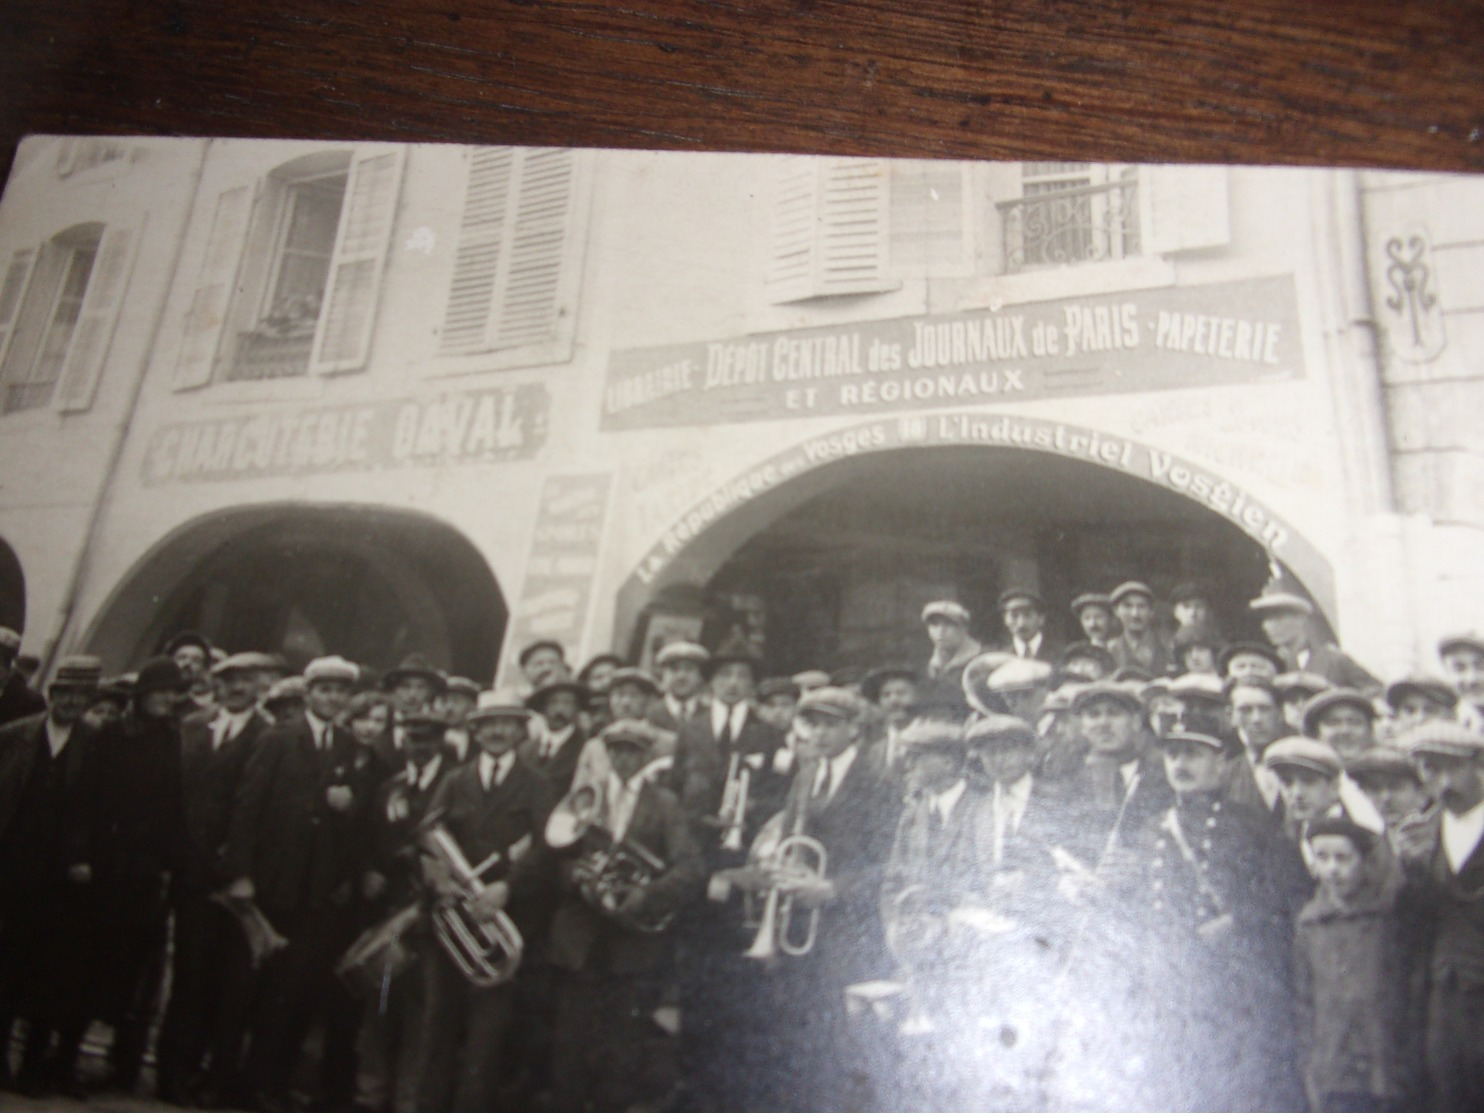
{"x": 48, "y": 785}
{"x": 554, "y": 756}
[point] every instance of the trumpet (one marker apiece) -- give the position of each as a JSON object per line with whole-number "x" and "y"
{"x": 486, "y": 949}
{"x": 733, "y": 812}
{"x": 609, "y": 871}
{"x": 263, "y": 939}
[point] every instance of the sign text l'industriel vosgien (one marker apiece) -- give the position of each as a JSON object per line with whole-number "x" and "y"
{"x": 1172, "y": 337}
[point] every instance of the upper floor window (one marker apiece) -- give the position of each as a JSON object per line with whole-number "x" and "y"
{"x": 862, "y": 226}
{"x": 517, "y": 265}
{"x": 58, "y": 304}
{"x": 291, "y": 269}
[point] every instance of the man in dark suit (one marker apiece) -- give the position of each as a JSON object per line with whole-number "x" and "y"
{"x": 682, "y": 669}
{"x": 727, "y": 773}
{"x": 554, "y": 754}
{"x": 1024, "y": 615}
{"x": 17, "y": 699}
{"x": 608, "y": 1053}
{"x": 840, "y": 799}
{"x": 495, "y": 807}
{"x": 1287, "y": 621}
{"x": 1446, "y": 885}
{"x": 389, "y": 1044}
{"x": 292, "y": 848}
{"x": 47, "y": 794}
{"x": 210, "y": 982}
{"x": 1121, "y": 782}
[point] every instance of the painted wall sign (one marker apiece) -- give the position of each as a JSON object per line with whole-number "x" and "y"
{"x": 455, "y": 428}
{"x": 1146, "y": 463}
{"x": 554, "y": 599}
{"x": 1177, "y": 337}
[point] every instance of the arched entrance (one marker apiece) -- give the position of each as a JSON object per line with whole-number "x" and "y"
{"x": 368, "y": 583}
{"x": 825, "y": 554}
{"x": 12, "y": 590}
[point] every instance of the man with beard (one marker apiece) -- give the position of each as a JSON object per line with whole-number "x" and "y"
{"x": 138, "y": 830}
{"x": 48, "y": 780}
{"x": 1191, "y": 929}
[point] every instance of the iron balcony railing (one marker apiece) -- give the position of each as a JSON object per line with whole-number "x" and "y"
{"x": 1071, "y": 226}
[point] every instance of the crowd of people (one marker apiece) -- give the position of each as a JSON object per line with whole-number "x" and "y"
{"x": 1150, "y": 869}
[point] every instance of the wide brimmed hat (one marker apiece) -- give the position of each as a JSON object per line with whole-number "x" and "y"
{"x": 82, "y": 672}
{"x": 500, "y": 703}
{"x": 414, "y": 666}
{"x": 539, "y": 696}
{"x": 160, "y": 672}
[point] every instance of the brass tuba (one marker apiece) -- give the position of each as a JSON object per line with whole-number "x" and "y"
{"x": 608, "y": 871}
{"x": 487, "y": 950}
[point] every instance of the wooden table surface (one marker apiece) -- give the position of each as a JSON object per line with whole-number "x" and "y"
{"x": 1288, "y": 81}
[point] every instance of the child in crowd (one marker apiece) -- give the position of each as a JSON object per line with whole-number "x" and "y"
{"x": 1358, "y": 980}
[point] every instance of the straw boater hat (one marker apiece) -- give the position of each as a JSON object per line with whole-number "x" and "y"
{"x": 679, "y": 651}
{"x": 501, "y": 703}
{"x": 78, "y": 671}
{"x": 331, "y": 668}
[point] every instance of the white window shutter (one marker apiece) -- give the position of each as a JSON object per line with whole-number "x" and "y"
{"x": 1183, "y": 207}
{"x": 342, "y": 338}
{"x": 482, "y": 233}
{"x": 215, "y": 288}
{"x": 793, "y": 238}
{"x": 528, "y": 285}
{"x": 78, "y": 380}
{"x": 13, "y": 294}
{"x": 830, "y": 235}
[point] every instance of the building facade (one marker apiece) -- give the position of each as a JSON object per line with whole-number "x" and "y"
{"x": 374, "y": 398}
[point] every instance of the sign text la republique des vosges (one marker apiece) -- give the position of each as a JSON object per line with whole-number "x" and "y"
{"x": 1175, "y": 337}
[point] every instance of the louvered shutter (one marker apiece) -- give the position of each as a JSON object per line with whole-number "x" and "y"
{"x": 830, "y": 232}
{"x": 527, "y": 290}
{"x": 342, "y": 338}
{"x": 1184, "y": 207}
{"x": 13, "y": 294}
{"x": 215, "y": 287}
{"x": 511, "y": 285}
{"x": 78, "y": 380}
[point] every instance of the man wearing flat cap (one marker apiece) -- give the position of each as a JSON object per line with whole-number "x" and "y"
{"x": 1094, "y": 613}
{"x": 1140, "y": 643}
{"x": 947, "y": 625}
{"x": 1288, "y": 623}
{"x": 17, "y": 699}
{"x": 543, "y": 661}
{"x": 1023, "y": 613}
{"x": 1446, "y": 884}
{"x": 48, "y": 785}
{"x": 682, "y": 677}
{"x": 1122, "y": 781}
{"x": 1463, "y": 661}
{"x": 293, "y": 847}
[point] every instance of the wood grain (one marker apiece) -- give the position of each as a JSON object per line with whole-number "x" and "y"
{"x": 1282, "y": 81}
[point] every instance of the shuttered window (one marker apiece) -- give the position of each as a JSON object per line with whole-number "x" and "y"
{"x": 291, "y": 270}
{"x": 860, "y": 226}
{"x": 518, "y": 257}
{"x": 58, "y": 307}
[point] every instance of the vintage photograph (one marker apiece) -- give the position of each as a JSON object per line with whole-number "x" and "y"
{"x": 500, "y": 628}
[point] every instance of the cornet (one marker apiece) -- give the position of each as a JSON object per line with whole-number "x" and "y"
{"x": 733, "y": 812}
{"x": 797, "y": 855}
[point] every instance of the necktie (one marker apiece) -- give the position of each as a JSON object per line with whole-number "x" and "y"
{"x": 724, "y": 739}
{"x": 220, "y": 733}
{"x": 935, "y": 826}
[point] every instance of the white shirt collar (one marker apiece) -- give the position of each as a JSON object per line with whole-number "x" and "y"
{"x": 834, "y": 770}
{"x": 1017, "y": 796}
{"x": 487, "y": 769}
{"x": 421, "y": 780}
{"x": 621, "y": 798}
{"x": 944, "y": 802}
{"x": 681, "y": 711}
{"x": 1027, "y": 649}
{"x": 1461, "y": 834}
{"x": 316, "y": 727}
{"x": 57, "y": 737}
{"x": 554, "y": 741}
{"x": 1130, "y": 772}
{"x": 719, "y": 714}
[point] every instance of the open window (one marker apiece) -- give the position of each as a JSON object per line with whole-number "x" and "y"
{"x": 58, "y": 305}
{"x": 292, "y": 269}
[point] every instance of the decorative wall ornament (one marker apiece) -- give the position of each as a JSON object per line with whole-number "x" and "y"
{"x": 1409, "y": 308}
